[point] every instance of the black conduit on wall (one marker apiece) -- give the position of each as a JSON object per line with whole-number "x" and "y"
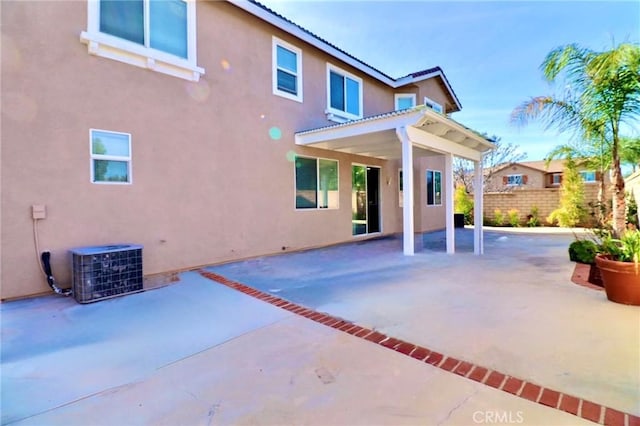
{"x": 46, "y": 264}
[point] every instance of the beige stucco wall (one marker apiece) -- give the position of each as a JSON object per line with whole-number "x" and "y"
{"x": 535, "y": 179}
{"x": 209, "y": 184}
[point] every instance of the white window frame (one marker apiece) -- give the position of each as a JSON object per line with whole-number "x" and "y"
{"x": 398, "y": 96}
{"x": 513, "y": 177}
{"x": 434, "y": 189}
{"x": 336, "y": 114}
{"x": 295, "y": 186}
{"x": 433, "y": 105}
{"x": 112, "y": 47}
{"x": 584, "y": 172}
{"x": 274, "y": 57}
{"x": 93, "y": 156}
{"x": 553, "y": 178}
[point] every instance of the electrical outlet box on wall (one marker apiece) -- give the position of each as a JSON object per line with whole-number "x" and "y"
{"x": 38, "y": 211}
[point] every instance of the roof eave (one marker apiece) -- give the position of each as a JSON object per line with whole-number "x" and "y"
{"x": 282, "y": 23}
{"x": 308, "y": 37}
{"x": 437, "y": 73}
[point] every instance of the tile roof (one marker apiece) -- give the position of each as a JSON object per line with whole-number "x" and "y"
{"x": 423, "y": 72}
{"x": 554, "y": 166}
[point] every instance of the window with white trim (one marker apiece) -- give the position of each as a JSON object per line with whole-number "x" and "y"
{"x": 404, "y": 100}
{"x": 434, "y": 188}
{"x": 110, "y": 157}
{"x": 316, "y": 183}
{"x": 433, "y": 105}
{"x": 287, "y": 70}
{"x": 588, "y": 176}
{"x": 156, "y": 34}
{"x": 556, "y": 178}
{"x": 514, "y": 180}
{"x": 344, "y": 95}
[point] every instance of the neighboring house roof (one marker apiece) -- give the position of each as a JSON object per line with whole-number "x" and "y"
{"x": 554, "y": 166}
{"x": 507, "y": 165}
{"x": 263, "y": 12}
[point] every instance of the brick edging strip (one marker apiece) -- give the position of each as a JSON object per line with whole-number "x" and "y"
{"x": 577, "y": 406}
{"x": 580, "y": 276}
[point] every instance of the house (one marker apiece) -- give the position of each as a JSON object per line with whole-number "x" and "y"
{"x": 535, "y": 174}
{"x": 209, "y": 131}
{"x": 529, "y": 185}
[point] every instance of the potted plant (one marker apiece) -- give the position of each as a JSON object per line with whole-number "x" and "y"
{"x": 619, "y": 264}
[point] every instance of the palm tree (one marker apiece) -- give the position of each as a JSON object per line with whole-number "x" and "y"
{"x": 630, "y": 152}
{"x": 602, "y": 94}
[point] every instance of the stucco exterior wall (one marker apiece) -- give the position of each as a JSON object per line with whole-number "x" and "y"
{"x": 209, "y": 183}
{"x": 535, "y": 179}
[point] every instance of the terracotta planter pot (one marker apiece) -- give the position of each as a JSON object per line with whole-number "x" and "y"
{"x": 621, "y": 280}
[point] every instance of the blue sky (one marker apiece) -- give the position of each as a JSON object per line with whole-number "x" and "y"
{"x": 489, "y": 51}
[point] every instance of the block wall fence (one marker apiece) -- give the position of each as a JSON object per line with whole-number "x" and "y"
{"x": 524, "y": 200}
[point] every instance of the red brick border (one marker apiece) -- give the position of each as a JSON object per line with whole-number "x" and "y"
{"x": 581, "y": 276}
{"x": 570, "y": 404}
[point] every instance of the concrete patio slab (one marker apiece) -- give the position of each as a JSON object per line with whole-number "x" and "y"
{"x": 55, "y": 351}
{"x": 293, "y": 371}
{"x": 513, "y": 310}
{"x": 197, "y": 352}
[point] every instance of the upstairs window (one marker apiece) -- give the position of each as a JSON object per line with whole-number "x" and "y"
{"x": 433, "y": 105}
{"x": 155, "y": 34}
{"x": 434, "y": 188}
{"x": 344, "y": 95}
{"x": 159, "y": 24}
{"x": 110, "y": 157}
{"x": 405, "y": 101}
{"x": 287, "y": 70}
{"x": 514, "y": 180}
{"x": 316, "y": 183}
{"x": 556, "y": 178}
{"x": 588, "y": 176}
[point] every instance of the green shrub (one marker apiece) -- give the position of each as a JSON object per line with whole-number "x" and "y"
{"x": 533, "y": 219}
{"x": 463, "y": 203}
{"x": 571, "y": 211}
{"x": 583, "y": 251}
{"x": 499, "y": 218}
{"x": 513, "y": 216}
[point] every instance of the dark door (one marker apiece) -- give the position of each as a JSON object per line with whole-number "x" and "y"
{"x": 373, "y": 200}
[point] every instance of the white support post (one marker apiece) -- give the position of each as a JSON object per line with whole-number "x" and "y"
{"x": 478, "y": 207}
{"x": 448, "y": 197}
{"x": 407, "y": 192}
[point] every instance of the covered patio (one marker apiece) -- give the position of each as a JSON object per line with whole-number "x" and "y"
{"x": 403, "y": 135}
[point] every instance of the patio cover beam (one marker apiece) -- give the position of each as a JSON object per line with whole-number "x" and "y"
{"x": 441, "y": 145}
